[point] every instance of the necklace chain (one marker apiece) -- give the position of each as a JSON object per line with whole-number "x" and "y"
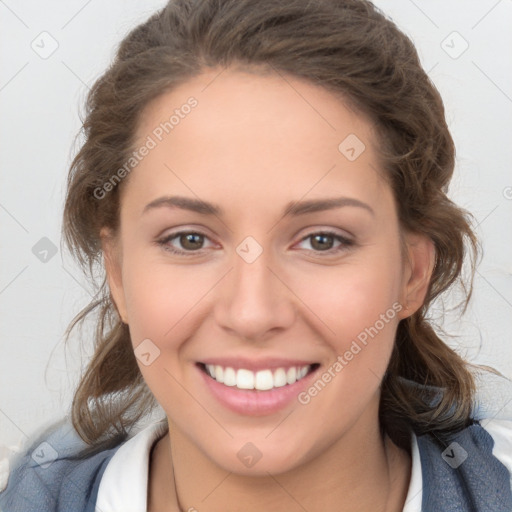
{"x": 180, "y": 508}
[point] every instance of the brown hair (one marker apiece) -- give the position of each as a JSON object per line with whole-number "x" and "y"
{"x": 346, "y": 46}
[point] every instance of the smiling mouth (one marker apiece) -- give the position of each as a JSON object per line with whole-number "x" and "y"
{"x": 262, "y": 380}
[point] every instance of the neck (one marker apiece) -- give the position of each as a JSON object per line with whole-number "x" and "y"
{"x": 361, "y": 471}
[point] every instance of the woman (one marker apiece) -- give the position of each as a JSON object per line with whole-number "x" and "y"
{"x": 264, "y": 185}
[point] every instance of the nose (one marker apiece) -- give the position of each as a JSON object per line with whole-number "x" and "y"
{"x": 254, "y": 301}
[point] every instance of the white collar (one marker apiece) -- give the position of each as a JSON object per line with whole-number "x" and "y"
{"x": 124, "y": 484}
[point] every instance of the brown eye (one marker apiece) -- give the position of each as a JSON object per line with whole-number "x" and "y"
{"x": 322, "y": 242}
{"x": 184, "y": 242}
{"x": 191, "y": 241}
{"x": 327, "y": 242}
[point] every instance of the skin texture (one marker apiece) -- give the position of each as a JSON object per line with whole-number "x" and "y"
{"x": 253, "y": 144}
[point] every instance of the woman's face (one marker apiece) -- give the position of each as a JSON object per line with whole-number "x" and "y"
{"x": 259, "y": 243}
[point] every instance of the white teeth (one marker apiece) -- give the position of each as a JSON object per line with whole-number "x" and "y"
{"x": 264, "y": 380}
{"x": 279, "y": 378}
{"x": 261, "y": 380}
{"x": 244, "y": 379}
{"x": 291, "y": 375}
{"x": 219, "y": 373}
{"x": 229, "y": 377}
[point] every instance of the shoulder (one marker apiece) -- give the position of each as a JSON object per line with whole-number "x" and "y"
{"x": 53, "y": 473}
{"x": 470, "y": 469}
{"x": 501, "y": 432}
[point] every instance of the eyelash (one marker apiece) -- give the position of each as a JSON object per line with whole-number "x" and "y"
{"x": 345, "y": 242}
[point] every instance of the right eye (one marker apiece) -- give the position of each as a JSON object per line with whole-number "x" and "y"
{"x": 190, "y": 241}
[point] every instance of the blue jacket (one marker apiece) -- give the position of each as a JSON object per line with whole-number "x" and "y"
{"x": 461, "y": 476}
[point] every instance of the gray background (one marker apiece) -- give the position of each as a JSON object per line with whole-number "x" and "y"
{"x": 40, "y": 99}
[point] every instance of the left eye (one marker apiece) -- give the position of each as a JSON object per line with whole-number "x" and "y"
{"x": 324, "y": 241}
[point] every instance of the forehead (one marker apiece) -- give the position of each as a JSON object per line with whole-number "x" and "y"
{"x": 262, "y": 135}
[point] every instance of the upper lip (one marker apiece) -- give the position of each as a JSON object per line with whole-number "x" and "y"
{"x": 255, "y": 364}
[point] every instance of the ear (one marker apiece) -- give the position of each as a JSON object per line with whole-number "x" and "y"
{"x": 113, "y": 268}
{"x": 419, "y": 264}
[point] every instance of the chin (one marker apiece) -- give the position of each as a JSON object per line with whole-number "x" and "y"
{"x": 258, "y": 459}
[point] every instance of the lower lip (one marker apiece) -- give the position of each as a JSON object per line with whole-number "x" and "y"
{"x": 252, "y": 402}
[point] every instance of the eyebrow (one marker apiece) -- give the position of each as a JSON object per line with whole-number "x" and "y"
{"x": 293, "y": 208}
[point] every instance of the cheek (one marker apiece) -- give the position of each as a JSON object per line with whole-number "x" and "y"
{"x": 358, "y": 305}
{"x": 161, "y": 301}
{"x": 159, "y": 296}
{"x": 360, "y": 313}
{"x": 352, "y": 297}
